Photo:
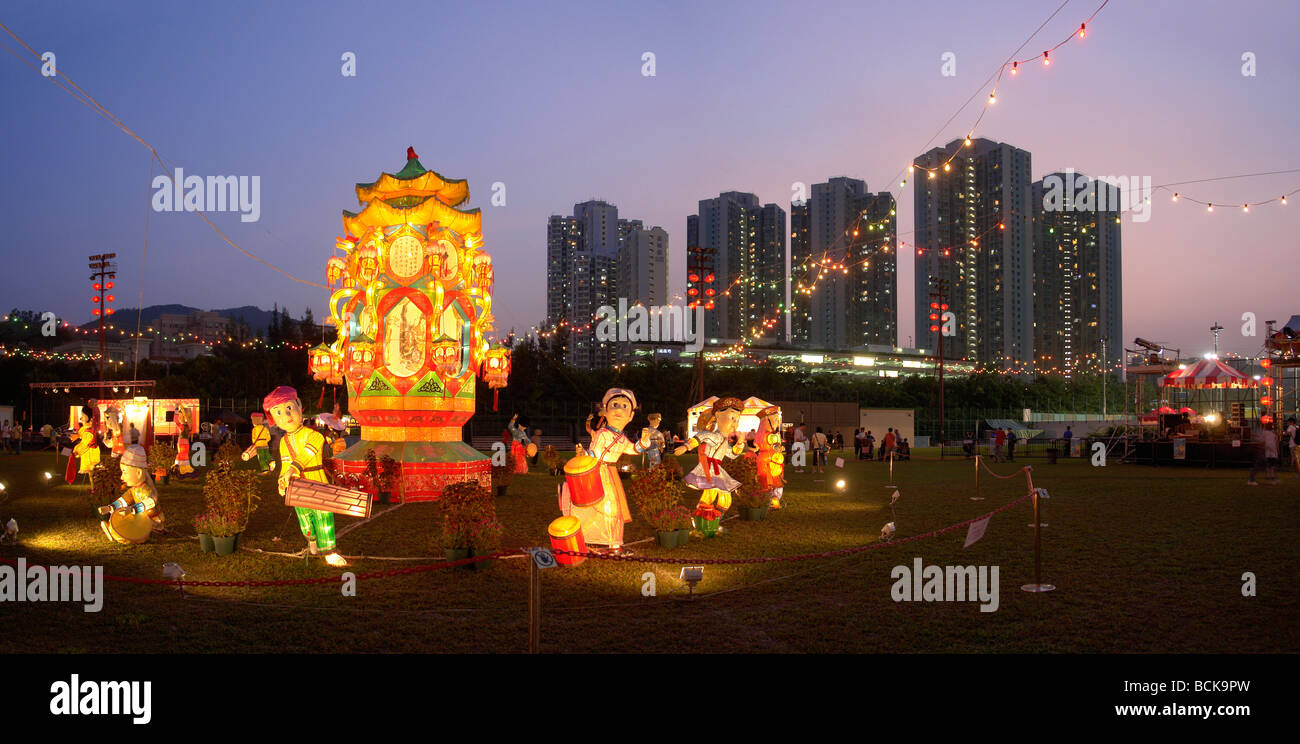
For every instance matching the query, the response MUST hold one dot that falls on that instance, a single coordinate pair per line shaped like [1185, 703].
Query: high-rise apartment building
[1077, 274]
[843, 263]
[973, 222]
[744, 246]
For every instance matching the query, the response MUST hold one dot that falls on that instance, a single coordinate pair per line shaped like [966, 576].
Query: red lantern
[496, 370]
[1266, 401]
[1266, 363]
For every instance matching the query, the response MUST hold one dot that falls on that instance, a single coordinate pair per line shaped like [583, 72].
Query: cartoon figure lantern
[413, 311]
[136, 515]
[592, 491]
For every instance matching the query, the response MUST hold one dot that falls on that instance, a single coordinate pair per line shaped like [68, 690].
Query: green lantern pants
[317, 525]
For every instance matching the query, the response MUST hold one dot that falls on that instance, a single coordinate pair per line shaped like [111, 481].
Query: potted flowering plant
[229, 497]
[390, 478]
[500, 479]
[707, 519]
[551, 457]
[657, 496]
[752, 500]
[161, 457]
[469, 521]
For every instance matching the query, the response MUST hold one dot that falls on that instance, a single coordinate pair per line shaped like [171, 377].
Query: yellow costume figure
[261, 446]
[602, 522]
[133, 517]
[302, 456]
[714, 443]
[87, 449]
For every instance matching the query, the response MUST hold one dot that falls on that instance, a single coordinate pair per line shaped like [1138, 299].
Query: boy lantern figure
[132, 518]
[301, 456]
[261, 446]
[602, 522]
[714, 441]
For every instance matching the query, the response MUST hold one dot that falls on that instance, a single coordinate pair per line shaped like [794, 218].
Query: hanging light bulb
[946, 167]
[1083, 30]
[1175, 196]
[1209, 207]
[931, 175]
[1245, 207]
[1284, 200]
[993, 98]
[1014, 67]
[1046, 60]
[968, 142]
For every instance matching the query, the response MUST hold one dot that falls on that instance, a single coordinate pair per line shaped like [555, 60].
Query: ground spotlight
[692, 575]
[840, 484]
[48, 475]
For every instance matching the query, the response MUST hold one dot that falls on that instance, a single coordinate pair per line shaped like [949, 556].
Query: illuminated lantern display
[413, 309]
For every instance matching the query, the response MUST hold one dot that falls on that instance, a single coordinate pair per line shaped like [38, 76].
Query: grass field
[1144, 560]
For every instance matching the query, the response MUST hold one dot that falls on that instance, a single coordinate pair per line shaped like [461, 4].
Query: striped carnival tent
[1208, 374]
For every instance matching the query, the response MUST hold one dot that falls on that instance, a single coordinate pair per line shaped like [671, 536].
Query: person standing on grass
[1067, 437]
[1268, 456]
[857, 443]
[868, 445]
[819, 446]
[999, 441]
[1011, 445]
[887, 446]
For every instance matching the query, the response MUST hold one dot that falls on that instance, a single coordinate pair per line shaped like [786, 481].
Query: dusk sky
[549, 99]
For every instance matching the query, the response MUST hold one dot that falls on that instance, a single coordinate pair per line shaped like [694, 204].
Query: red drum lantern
[566, 534]
[582, 473]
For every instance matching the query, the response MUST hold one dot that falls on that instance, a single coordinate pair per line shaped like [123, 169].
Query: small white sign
[543, 557]
[839, 462]
[976, 531]
[1236, 443]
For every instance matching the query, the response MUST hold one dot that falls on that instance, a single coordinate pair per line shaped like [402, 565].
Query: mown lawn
[1145, 560]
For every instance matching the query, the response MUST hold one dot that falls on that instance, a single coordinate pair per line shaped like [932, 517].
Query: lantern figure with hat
[413, 313]
[592, 491]
[136, 515]
[771, 453]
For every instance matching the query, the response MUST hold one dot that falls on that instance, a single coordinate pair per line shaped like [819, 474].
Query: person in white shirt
[819, 448]
[1268, 456]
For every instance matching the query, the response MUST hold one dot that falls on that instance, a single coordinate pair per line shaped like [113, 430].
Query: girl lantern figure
[301, 456]
[714, 442]
[132, 518]
[86, 451]
[603, 512]
[113, 438]
[183, 468]
[771, 455]
[521, 447]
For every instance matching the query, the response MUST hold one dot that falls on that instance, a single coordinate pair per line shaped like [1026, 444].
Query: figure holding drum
[301, 456]
[592, 491]
[133, 517]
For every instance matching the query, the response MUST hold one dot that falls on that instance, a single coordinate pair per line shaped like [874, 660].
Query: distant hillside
[258, 320]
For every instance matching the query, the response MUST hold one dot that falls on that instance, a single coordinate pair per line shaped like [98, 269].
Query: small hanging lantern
[496, 370]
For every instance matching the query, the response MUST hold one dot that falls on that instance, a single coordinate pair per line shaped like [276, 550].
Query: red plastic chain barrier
[1024, 470]
[792, 558]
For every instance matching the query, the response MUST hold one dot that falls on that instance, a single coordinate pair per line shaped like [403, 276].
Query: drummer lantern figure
[301, 456]
[133, 517]
[521, 446]
[593, 492]
[714, 443]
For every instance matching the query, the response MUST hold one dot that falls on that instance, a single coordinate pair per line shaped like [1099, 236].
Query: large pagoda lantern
[413, 306]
